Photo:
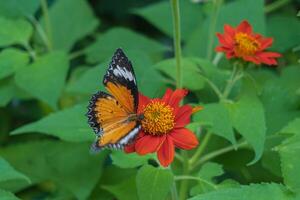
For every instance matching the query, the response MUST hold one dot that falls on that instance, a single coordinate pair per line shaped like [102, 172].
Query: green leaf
[11, 60]
[59, 162]
[8, 173]
[7, 195]
[70, 20]
[14, 31]
[69, 125]
[292, 128]
[160, 15]
[283, 40]
[190, 72]
[206, 174]
[149, 80]
[248, 119]
[7, 91]
[18, 8]
[153, 183]
[89, 81]
[251, 10]
[211, 115]
[125, 190]
[109, 41]
[289, 153]
[79, 175]
[251, 192]
[132, 160]
[283, 106]
[45, 78]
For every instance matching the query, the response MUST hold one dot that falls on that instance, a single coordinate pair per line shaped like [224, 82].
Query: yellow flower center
[245, 45]
[158, 118]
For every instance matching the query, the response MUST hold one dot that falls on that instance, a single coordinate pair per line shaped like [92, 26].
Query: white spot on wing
[130, 136]
[122, 72]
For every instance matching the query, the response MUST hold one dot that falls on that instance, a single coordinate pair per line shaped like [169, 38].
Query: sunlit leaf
[45, 78]
[251, 192]
[191, 77]
[216, 126]
[5, 195]
[18, 8]
[14, 31]
[284, 40]
[132, 160]
[70, 20]
[8, 173]
[160, 15]
[114, 38]
[69, 125]
[153, 183]
[125, 190]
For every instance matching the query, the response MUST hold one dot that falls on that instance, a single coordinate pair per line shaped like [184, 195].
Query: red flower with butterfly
[125, 118]
[163, 127]
[242, 42]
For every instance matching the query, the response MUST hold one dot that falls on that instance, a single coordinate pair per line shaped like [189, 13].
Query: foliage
[54, 54]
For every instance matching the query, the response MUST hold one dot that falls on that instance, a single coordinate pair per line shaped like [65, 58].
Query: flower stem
[275, 5]
[184, 184]
[177, 40]
[213, 86]
[174, 194]
[200, 149]
[47, 22]
[219, 152]
[29, 49]
[236, 75]
[197, 179]
[212, 28]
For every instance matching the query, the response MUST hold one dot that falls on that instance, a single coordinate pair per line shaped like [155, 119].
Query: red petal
[130, 148]
[269, 54]
[166, 152]
[265, 43]
[225, 40]
[229, 30]
[244, 27]
[182, 117]
[143, 101]
[252, 59]
[148, 144]
[175, 97]
[167, 95]
[184, 138]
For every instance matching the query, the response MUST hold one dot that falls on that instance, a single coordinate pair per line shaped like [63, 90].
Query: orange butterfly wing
[114, 116]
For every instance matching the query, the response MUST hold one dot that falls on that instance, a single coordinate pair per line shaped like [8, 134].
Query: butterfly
[113, 115]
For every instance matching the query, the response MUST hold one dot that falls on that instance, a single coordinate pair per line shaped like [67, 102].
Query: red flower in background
[242, 42]
[163, 126]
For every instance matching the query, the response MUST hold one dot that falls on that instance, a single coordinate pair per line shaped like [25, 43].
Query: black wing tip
[119, 55]
[92, 120]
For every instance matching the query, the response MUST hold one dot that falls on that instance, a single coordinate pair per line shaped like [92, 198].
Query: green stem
[219, 152]
[174, 194]
[236, 75]
[217, 58]
[213, 87]
[177, 40]
[200, 149]
[40, 31]
[196, 179]
[30, 50]
[184, 184]
[76, 54]
[212, 28]
[275, 5]
[47, 22]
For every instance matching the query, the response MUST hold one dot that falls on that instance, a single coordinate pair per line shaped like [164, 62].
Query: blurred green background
[54, 54]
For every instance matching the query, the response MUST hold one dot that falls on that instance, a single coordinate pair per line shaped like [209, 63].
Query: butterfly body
[113, 115]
